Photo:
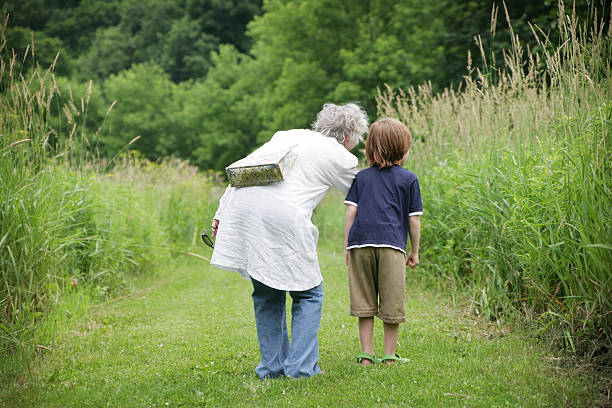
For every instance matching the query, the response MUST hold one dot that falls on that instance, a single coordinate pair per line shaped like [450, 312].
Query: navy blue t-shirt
[384, 199]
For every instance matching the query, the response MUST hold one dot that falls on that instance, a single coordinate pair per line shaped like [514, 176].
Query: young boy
[383, 208]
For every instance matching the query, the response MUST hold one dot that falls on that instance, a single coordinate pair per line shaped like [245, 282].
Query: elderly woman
[265, 233]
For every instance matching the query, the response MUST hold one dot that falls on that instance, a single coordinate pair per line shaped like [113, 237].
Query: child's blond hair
[388, 142]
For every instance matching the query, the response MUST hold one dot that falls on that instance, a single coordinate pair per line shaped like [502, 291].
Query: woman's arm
[351, 213]
[222, 202]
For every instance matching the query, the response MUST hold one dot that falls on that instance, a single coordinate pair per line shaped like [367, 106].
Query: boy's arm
[414, 223]
[351, 213]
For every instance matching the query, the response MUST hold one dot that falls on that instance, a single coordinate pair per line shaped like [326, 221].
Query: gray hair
[342, 121]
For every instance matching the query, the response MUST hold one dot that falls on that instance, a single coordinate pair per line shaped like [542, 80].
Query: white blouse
[265, 232]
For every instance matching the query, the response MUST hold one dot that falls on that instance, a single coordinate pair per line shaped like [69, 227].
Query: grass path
[188, 339]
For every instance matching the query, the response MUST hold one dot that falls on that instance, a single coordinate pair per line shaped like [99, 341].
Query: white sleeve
[223, 201]
[344, 171]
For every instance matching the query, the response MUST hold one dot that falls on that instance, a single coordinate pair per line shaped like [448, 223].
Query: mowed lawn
[187, 338]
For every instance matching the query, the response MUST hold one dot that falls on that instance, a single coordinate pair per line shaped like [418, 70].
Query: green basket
[260, 169]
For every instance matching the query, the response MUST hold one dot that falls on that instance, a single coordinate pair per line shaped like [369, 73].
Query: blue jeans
[298, 358]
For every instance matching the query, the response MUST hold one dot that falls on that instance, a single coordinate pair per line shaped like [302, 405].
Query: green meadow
[186, 337]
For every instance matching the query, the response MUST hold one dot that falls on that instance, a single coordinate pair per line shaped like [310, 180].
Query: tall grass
[69, 222]
[516, 173]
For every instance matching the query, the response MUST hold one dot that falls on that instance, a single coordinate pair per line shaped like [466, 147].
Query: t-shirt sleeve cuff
[347, 202]
[413, 213]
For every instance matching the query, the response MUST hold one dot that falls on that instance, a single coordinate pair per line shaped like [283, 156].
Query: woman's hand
[214, 227]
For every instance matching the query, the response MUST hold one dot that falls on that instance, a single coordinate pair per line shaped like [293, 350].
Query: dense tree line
[209, 80]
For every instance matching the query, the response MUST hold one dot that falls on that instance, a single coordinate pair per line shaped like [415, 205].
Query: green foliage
[226, 20]
[186, 51]
[170, 34]
[64, 227]
[390, 49]
[46, 50]
[466, 21]
[132, 50]
[109, 54]
[75, 106]
[136, 39]
[516, 180]
[64, 26]
[145, 109]
[228, 95]
[294, 57]
[76, 22]
[305, 54]
[530, 230]
[100, 38]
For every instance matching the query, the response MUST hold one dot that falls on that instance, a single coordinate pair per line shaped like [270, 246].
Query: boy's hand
[415, 237]
[412, 260]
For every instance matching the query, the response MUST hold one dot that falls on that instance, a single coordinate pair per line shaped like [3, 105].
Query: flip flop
[365, 356]
[395, 357]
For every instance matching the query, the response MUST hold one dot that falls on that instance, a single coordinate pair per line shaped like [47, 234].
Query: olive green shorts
[377, 283]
